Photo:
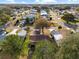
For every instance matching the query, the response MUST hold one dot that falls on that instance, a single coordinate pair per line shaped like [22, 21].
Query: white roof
[22, 33]
[31, 16]
[58, 37]
[43, 12]
[33, 10]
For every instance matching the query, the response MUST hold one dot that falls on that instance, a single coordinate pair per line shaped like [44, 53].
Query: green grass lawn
[73, 23]
[25, 46]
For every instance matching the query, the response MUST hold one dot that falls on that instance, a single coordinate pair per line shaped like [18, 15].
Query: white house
[22, 33]
[43, 13]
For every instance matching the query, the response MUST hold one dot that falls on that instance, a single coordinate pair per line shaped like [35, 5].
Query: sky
[39, 1]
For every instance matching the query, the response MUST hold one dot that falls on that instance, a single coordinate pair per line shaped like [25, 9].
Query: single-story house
[30, 16]
[33, 11]
[23, 23]
[22, 33]
[44, 14]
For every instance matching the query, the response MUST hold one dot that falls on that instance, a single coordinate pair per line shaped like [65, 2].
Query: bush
[59, 27]
[69, 48]
[45, 50]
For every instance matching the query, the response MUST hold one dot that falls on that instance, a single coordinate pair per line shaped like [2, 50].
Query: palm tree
[41, 24]
[68, 17]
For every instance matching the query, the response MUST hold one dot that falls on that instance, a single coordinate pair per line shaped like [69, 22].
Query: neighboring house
[44, 14]
[15, 12]
[22, 33]
[24, 17]
[23, 23]
[77, 16]
[7, 24]
[30, 16]
[33, 11]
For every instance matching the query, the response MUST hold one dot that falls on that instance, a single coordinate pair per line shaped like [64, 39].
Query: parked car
[57, 36]
[2, 34]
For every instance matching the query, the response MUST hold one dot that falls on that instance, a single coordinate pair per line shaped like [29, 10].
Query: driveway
[13, 32]
[36, 38]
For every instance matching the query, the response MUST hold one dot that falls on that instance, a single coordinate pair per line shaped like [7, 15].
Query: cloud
[45, 1]
[13, 2]
[48, 0]
[37, 0]
[10, 1]
[23, 2]
[73, 0]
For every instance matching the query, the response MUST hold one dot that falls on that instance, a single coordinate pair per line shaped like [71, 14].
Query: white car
[56, 35]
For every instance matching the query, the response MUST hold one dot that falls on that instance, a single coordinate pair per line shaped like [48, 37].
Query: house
[44, 14]
[30, 16]
[33, 11]
[23, 23]
[24, 17]
[22, 33]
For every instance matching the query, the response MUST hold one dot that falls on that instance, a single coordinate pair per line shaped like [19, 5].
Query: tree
[14, 46]
[42, 23]
[69, 48]
[6, 10]
[27, 20]
[68, 17]
[4, 18]
[59, 27]
[45, 50]
[5, 14]
[77, 9]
